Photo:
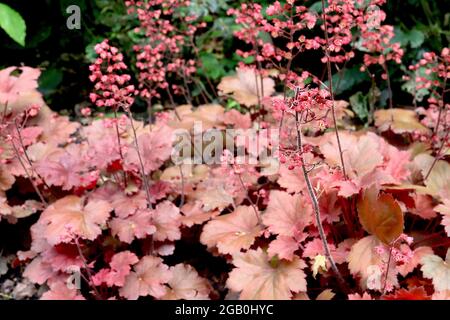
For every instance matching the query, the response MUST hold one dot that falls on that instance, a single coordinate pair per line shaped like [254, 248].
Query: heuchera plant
[355, 213]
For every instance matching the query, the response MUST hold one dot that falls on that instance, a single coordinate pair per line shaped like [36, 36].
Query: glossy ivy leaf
[13, 24]
[347, 78]
[316, 7]
[380, 215]
[50, 80]
[360, 105]
[204, 7]
[414, 38]
[211, 66]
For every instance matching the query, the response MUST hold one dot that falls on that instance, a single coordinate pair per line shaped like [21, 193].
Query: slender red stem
[315, 203]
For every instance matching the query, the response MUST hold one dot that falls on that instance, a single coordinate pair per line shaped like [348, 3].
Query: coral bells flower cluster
[400, 251]
[340, 19]
[284, 22]
[345, 21]
[376, 39]
[347, 24]
[378, 43]
[392, 260]
[250, 17]
[110, 80]
[12, 128]
[167, 33]
[306, 106]
[306, 100]
[311, 100]
[435, 75]
[311, 105]
[431, 75]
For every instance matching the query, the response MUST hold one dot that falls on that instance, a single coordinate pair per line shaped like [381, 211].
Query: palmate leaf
[13, 24]
[399, 121]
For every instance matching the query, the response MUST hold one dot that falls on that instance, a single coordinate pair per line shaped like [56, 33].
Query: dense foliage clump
[260, 182]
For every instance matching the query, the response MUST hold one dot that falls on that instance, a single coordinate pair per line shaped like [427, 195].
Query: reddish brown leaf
[380, 215]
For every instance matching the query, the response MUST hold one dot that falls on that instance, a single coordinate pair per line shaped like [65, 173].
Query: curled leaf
[399, 121]
[380, 215]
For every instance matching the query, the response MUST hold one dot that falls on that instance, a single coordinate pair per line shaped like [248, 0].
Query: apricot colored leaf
[237, 119]
[320, 262]
[13, 86]
[357, 296]
[438, 270]
[186, 284]
[326, 294]
[361, 153]
[155, 147]
[287, 214]
[6, 179]
[284, 247]
[245, 87]
[60, 290]
[232, 232]
[423, 206]
[138, 225]
[214, 193]
[438, 182]
[399, 121]
[120, 268]
[411, 264]
[147, 278]
[194, 214]
[167, 220]
[362, 256]
[258, 277]
[38, 271]
[70, 217]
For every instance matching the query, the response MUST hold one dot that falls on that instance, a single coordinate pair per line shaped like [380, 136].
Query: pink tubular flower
[430, 77]
[378, 43]
[107, 72]
[167, 34]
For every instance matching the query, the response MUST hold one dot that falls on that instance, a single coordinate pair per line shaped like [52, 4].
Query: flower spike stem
[141, 163]
[330, 83]
[315, 203]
